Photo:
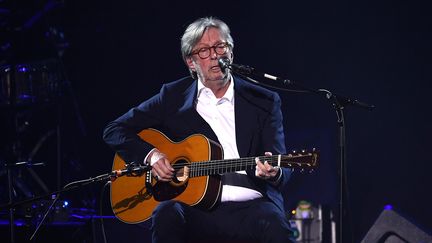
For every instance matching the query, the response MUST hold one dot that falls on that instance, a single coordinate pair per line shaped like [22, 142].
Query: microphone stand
[338, 102]
[9, 171]
[130, 170]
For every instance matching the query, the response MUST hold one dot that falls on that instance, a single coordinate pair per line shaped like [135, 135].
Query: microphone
[225, 63]
[131, 170]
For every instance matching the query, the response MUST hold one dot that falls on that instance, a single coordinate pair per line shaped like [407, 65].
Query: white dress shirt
[219, 114]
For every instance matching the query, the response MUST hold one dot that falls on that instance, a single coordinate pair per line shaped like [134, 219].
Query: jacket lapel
[195, 121]
[244, 119]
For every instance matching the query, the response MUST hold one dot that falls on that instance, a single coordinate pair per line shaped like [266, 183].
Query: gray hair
[194, 32]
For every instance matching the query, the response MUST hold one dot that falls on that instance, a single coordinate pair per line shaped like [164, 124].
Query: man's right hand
[161, 167]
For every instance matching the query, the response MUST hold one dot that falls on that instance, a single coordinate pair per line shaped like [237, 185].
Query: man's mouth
[215, 68]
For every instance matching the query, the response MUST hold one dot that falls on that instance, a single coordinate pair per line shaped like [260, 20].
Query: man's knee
[168, 222]
[168, 211]
[274, 227]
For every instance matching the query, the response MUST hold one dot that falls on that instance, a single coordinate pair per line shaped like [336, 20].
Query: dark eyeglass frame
[205, 52]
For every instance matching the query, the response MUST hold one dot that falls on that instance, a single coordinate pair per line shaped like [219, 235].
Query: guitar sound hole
[169, 190]
[181, 171]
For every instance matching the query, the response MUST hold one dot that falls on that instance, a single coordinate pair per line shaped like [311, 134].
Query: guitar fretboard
[214, 167]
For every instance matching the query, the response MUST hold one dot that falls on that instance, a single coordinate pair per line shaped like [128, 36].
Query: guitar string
[230, 165]
[250, 160]
[220, 163]
[236, 162]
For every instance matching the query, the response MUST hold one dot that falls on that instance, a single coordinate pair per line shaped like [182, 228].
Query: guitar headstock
[303, 160]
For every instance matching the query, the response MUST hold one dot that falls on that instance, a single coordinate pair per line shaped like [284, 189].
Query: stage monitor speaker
[390, 227]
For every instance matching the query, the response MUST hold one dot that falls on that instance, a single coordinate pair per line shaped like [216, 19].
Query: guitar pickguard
[165, 191]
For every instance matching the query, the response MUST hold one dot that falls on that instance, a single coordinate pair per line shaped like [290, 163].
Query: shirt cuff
[147, 159]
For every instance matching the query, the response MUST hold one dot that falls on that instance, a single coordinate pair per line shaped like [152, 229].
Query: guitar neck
[214, 167]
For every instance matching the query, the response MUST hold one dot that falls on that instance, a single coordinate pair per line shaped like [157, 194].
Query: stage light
[388, 207]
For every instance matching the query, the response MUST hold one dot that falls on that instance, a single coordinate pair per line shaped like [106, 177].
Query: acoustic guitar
[198, 164]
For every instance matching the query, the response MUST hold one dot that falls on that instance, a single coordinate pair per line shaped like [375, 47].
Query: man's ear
[190, 63]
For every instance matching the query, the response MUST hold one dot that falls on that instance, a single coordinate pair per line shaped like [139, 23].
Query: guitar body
[198, 164]
[133, 202]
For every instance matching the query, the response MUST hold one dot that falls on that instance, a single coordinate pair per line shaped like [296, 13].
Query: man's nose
[213, 53]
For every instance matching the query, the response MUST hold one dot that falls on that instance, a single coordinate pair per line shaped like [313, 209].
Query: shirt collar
[229, 94]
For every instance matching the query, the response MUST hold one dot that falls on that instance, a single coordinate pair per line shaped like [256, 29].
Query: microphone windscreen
[224, 62]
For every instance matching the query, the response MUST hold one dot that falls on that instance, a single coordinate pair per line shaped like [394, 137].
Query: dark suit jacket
[258, 125]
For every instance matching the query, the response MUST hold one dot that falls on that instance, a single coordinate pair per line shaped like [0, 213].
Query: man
[244, 118]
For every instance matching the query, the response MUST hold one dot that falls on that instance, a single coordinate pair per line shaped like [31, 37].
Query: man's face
[208, 69]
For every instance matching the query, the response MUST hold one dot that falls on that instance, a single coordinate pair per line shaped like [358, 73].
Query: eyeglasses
[205, 52]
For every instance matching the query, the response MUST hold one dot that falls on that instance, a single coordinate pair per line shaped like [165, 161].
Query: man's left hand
[265, 170]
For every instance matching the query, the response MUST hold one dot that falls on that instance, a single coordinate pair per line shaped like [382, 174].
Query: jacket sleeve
[274, 138]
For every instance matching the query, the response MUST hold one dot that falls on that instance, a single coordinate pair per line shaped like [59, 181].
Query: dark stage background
[118, 53]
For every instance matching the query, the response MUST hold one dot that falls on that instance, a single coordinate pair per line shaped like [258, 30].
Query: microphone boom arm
[248, 71]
